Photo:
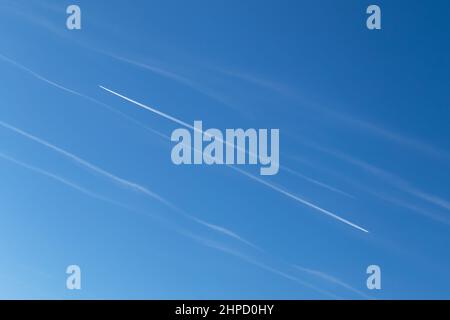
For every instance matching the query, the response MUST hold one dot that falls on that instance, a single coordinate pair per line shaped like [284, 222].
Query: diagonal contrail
[316, 182]
[227, 232]
[250, 260]
[389, 177]
[125, 183]
[367, 126]
[50, 175]
[86, 164]
[332, 279]
[160, 113]
[63, 181]
[168, 74]
[279, 190]
[169, 117]
[298, 199]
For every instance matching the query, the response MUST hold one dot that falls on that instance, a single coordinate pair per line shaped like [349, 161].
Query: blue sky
[363, 118]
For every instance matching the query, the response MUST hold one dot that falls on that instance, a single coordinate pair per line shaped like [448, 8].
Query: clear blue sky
[363, 118]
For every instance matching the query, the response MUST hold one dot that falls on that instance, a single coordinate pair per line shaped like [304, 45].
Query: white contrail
[296, 198]
[391, 178]
[220, 247]
[162, 114]
[38, 76]
[332, 279]
[379, 195]
[63, 181]
[316, 182]
[169, 117]
[168, 74]
[123, 182]
[227, 232]
[86, 164]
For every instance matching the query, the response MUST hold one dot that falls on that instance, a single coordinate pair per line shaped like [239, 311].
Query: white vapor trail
[316, 182]
[380, 195]
[296, 198]
[220, 247]
[227, 232]
[63, 181]
[162, 114]
[332, 279]
[392, 179]
[86, 164]
[163, 72]
[38, 76]
[123, 182]
[168, 117]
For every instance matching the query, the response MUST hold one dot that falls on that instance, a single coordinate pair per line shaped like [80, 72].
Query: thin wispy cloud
[63, 181]
[122, 182]
[379, 194]
[398, 138]
[159, 71]
[220, 247]
[316, 182]
[86, 164]
[389, 177]
[258, 81]
[171, 75]
[227, 232]
[364, 125]
[408, 205]
[273, 187]
[29, 13]
[332, 279]
[38, 76]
